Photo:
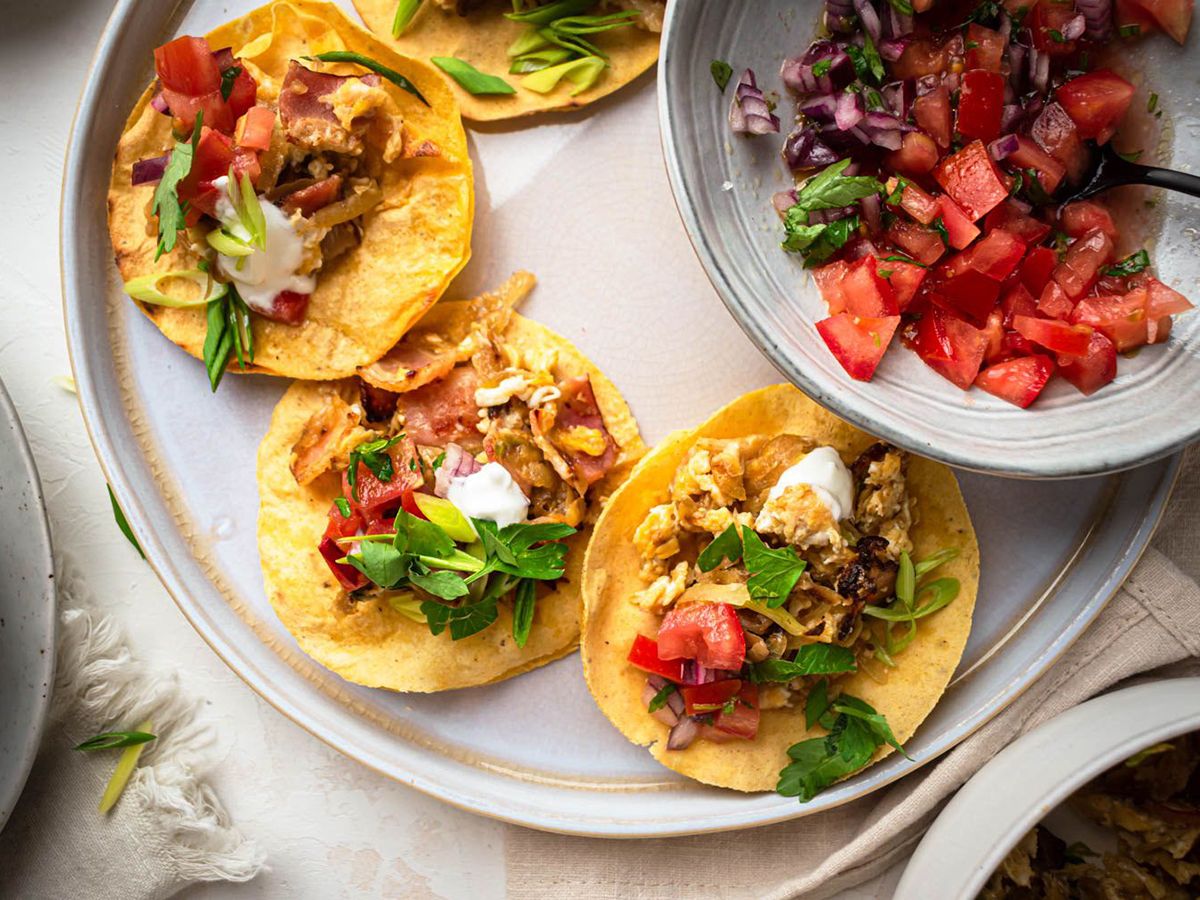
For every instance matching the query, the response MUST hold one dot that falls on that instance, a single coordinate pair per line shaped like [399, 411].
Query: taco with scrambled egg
[512, 58]
[290, 195]
[422, 525]
[776, 599]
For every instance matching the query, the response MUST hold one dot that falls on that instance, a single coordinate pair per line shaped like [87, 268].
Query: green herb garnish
[229, 333]
[123, 524]
[1142, 755]
[721, 72]
[1127, 31]
[110, 740]
[1130, 265]
[660, 699]
[549, 12]
[373, 455]
[1152, 103]
[726, 545]
[375, 66]
[811, 659]
[228, 77]
[773, 573]
[524, 601]
[343, 506]
[822, 67]
[165, 204]
[939, 225]
[471, 79]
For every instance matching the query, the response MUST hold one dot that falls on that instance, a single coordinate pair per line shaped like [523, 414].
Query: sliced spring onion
[779, 616]
[528, 42]
[544, 15]
[249, 211]
[470, 79]
[458, 561]
[446, 516]
[580, 72]
[226, 244]
[407, 604]
[579, 46]
[375, 66]
[120, 777]
[537, 60]
[146, 288]
[405, 10]
[595, 24]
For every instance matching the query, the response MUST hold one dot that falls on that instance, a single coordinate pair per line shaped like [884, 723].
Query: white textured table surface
[330, 827]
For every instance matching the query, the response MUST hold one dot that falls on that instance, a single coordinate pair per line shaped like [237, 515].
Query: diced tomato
[701, 699]
[214, 156]
[742, 720]
[972, 180]
[1046, 22]
[1158, 330]
[373, 496]
[934, 116]
[1029, 155]
[1010, 218]
[1082, 216]
[918, 154]
[644, 655]
[309, 199]
[340, 526]
[243, 94]
[1017, 301]
[923, 207]
[709, 633]
[287, 307]
[986, 48]
[1131, 12]
[408, 502]
[829, 279]
[1057, 337]
[1054, 303]
[1081, 266]
[1164, 301]
[1094, 369]
[994, 329]
[255, 127]
[981, 104]
[1174, 16]
[1019, 381]
[1037, 267]
[905, 279]
[867, 294]
[996, 256]
[960, 230]
[922, 244]
[923, 55]
[186, 66]
[1055, 132]
[951, 347]
[1096, 102]
[1121, 319]
[970, 293]
[858, 343]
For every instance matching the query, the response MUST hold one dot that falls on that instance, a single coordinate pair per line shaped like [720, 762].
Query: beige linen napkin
[1153, 621]
[168, 829]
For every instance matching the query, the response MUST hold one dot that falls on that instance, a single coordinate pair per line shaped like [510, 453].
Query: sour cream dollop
[491, 494]
[267, 271]
[824, 472]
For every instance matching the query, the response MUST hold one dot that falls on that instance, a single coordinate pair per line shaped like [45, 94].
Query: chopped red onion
[1016, 66]
[749, 112]
[798, 75]
[1003, 147]
[1020, 204]
[683, 733]
[825, 216]
[899, 24]
[804, 150]
[147, 171]
[783, 201]
[1074, 29]
[869, 18]
[927, 83]
[1099, 17]
[1010, 116]
[849, 111]
[457, 464]
[1005, 28]
[1039, 70]
[891, 50]
[694, 673]
[822, 107]
[665, 713]
[871, 210]
[899, 96]
[839, 15]
[159, 103]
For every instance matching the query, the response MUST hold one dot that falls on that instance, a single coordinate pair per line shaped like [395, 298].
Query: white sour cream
[489, 494]
[824, 472]
[269, 270]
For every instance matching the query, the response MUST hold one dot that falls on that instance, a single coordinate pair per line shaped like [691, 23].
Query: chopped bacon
[307, 117]
[327, 435]
[309, 199]
[444, 410]
[560, 429]
[377, 403]
[413, 363]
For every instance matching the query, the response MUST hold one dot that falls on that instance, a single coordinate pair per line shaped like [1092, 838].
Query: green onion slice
[538, 60]
[227, 244]
[146, 288]
[583, 73]
[405, 10]
[528, 42]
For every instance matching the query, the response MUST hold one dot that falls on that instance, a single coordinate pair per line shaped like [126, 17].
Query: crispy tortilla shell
[413, 242]
[483, 37]
[611, 576]
[368, 642]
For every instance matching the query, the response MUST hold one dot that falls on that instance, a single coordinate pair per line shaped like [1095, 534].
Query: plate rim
[1025, 464]
[176, 582]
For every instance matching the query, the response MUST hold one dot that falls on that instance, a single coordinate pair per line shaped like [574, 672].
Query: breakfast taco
[776, 599]
[513, 58]
[422, 526]
[290, 196]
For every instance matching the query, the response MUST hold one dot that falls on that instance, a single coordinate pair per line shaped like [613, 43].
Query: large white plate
[723, 184]
[27, 615]
[583, 201]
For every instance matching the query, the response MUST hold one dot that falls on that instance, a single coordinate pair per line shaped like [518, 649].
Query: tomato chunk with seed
[1055, 132]
[1029, 155]
[867, 294]
[905, 278]
[1164, 301]
[1096, 102]
[981, 104]
[373, 495]
[1082, 216]
[742, 718]
[951, 347]
[922, 244]
[1017, 301]
[1081, 266]
[985, 48]
[1054, 303]
[923, 207]
[960, 230]
[1055, 336]
[1121, 319]
[1019, 381]
[996, 256]
[972, 180]
[1009, 217]
[644, 655]
[1095, 368]
[255, 127]
[934, 116]
[1173, 16]
[709, 633]
[186, 65]
[858, 343]
[918, 154]
[829, 280]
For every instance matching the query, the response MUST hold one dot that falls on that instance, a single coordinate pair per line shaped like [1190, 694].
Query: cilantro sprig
[773, 572]
[165, 204]
[811, 659]
[829, 189]
[1130, 265]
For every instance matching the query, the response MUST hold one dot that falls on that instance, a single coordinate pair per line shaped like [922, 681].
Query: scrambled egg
[708, 482]
[663, 591]
[657, 539]
[802, 519]
[354, 99]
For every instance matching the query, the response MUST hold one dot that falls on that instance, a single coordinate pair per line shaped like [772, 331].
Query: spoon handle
[1170, 179]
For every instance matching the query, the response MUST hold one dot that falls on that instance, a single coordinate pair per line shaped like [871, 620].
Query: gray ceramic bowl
[27, 613]
[723, 185]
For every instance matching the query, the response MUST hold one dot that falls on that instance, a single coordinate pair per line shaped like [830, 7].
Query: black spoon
[1113, 170]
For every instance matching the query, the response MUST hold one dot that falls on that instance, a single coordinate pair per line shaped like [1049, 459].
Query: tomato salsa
[931, 141]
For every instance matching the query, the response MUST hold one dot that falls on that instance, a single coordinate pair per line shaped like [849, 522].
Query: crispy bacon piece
[572, 435]
[377, 403]
[444, 411]
[327, 435]
[308, 119]
[309, 199]
[413, 363]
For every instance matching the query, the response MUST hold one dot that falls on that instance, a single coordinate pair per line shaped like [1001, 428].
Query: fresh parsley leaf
[816, 704]
[228, 77]
[811, 659]
[511, 549]
[864, 712]
[1130, 265]
[818, 763]
[343, 506]
[725, 546]
[773, 573]
[438, 461]
[816, 243]
[420, 537]
[904, 259]
[123, 524]
[380, 562]
[721, 73]
[110, 740]
[1056, 35]
[375, 66]
[373, 455]
[659, 700]
[441, 583]
[902, 6]
[470, 79]
[524, 601]
[165, 204]
[830, 189]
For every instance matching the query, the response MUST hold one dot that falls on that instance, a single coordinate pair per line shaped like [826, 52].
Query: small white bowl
[1025, 781]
